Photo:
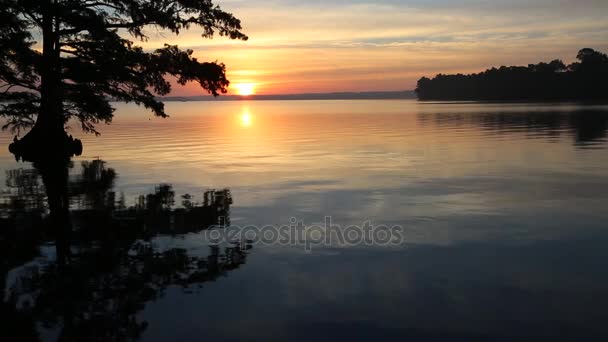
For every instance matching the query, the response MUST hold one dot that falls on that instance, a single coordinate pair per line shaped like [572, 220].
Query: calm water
[502, 211]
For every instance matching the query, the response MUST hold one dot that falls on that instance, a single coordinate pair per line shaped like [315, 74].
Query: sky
[361, 45]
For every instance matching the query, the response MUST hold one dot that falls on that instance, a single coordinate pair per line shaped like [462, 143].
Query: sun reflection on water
[246, 118]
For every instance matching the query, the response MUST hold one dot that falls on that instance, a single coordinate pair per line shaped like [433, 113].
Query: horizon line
[391, 94]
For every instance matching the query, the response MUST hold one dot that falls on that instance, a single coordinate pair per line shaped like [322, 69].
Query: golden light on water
[246, 118]
[245, 89]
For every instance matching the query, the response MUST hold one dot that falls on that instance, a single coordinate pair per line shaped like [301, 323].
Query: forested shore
[584, 80]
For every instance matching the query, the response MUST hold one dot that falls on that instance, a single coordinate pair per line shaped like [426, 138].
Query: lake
[319, 220]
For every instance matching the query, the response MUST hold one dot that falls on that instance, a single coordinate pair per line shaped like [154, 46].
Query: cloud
[338, 43]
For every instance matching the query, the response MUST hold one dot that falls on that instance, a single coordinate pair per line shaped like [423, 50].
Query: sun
[245, 89]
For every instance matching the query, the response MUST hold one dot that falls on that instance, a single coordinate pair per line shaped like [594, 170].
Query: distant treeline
[585, 80]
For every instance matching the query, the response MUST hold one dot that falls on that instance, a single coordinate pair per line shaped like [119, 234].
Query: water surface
[502, 208]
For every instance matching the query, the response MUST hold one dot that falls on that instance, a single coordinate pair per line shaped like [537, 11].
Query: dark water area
[322, 220]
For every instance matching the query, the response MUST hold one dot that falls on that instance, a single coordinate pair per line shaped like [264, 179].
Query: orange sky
[340, 45]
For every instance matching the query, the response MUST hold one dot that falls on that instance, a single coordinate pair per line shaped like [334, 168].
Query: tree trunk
[49, 119]
[48, 139]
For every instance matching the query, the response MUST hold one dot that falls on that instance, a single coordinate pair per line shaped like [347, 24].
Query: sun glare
[245, 89]
[246, 118]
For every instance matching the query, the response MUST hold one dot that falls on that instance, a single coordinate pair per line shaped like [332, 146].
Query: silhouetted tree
[65, 59]
[583, 80]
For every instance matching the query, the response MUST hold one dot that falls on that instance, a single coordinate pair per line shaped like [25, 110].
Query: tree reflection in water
[588, 128]
[78, 264]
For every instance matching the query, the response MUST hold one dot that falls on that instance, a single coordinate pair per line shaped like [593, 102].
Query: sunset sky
[363, 45]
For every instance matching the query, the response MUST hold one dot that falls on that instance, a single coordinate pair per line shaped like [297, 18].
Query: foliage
[583, 80]
[63, 59]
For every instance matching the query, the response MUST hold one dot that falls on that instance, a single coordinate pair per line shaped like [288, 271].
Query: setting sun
[245, 89]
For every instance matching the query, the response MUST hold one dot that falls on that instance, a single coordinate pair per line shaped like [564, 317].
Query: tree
[586, 80]
[65, 59]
